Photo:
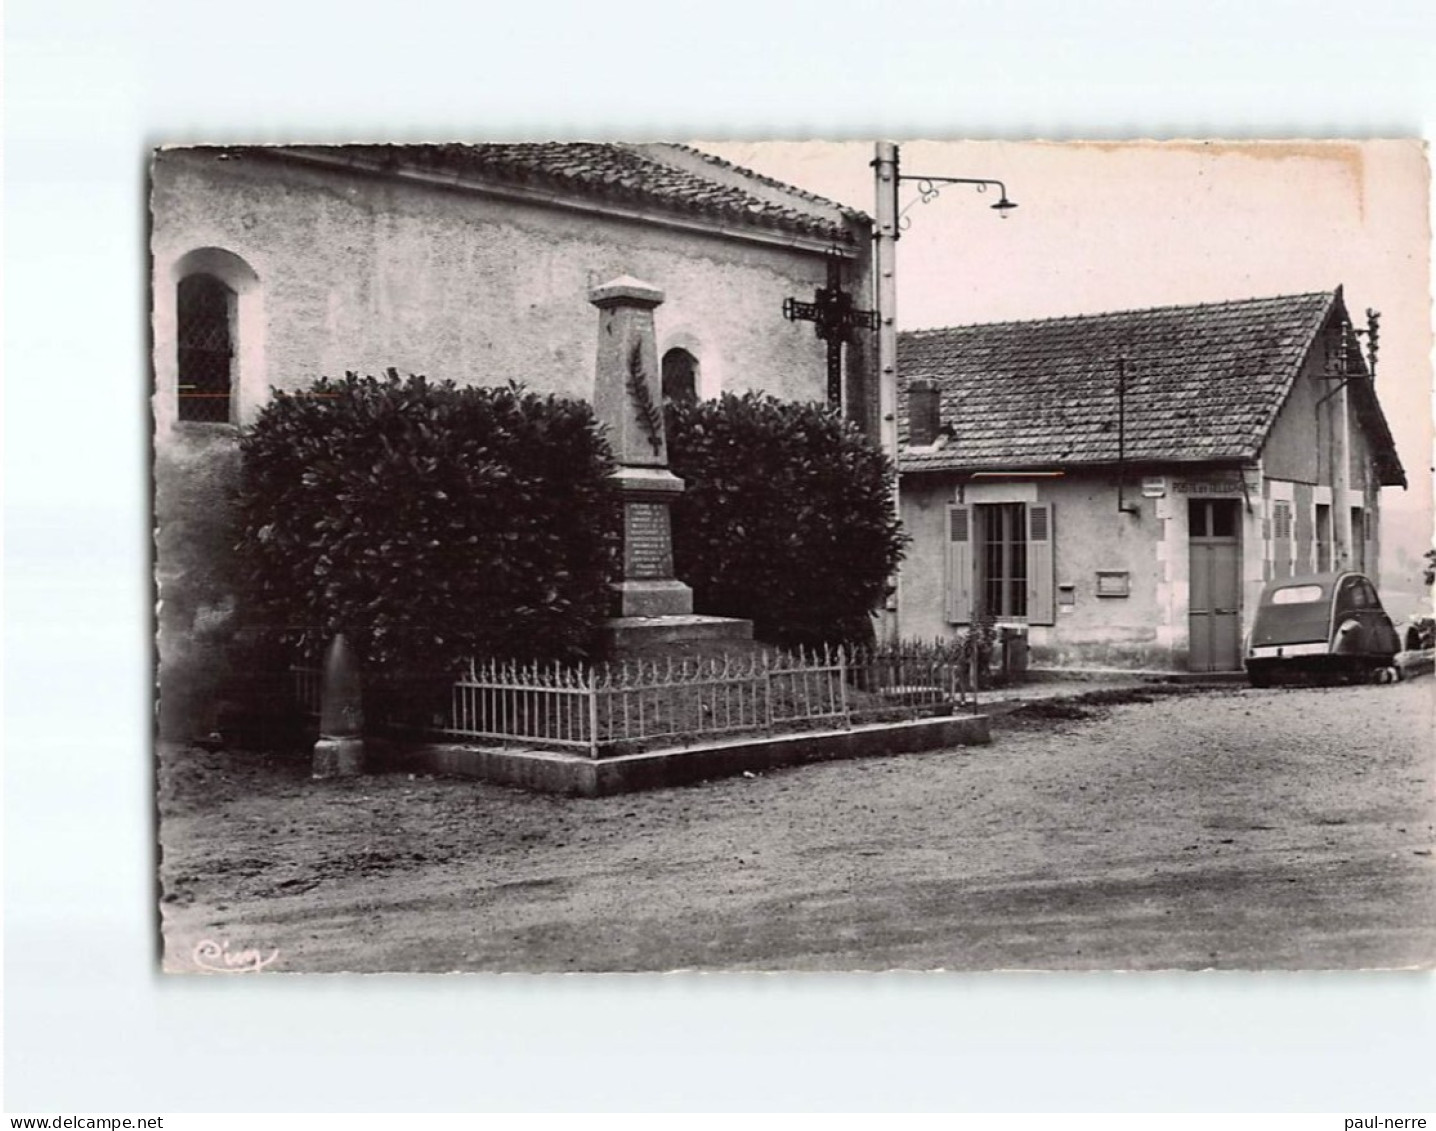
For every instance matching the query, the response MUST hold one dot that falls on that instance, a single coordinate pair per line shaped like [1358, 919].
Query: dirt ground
[1230, 829]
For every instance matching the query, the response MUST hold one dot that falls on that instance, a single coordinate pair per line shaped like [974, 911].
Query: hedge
[428, 522]
[786, 520]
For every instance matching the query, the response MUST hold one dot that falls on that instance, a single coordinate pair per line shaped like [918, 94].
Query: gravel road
[1232, 829]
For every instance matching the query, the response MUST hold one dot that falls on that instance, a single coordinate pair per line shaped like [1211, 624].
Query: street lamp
[891, 222]
[928, 191]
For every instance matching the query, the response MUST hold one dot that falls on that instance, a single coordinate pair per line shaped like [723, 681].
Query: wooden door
[1214, 609]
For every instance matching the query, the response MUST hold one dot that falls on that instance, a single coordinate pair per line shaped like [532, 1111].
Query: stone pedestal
[651, 609]
[648, 588]
[340, 749]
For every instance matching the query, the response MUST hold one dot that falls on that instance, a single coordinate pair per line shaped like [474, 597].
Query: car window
[1296, 595]
[1356, 593]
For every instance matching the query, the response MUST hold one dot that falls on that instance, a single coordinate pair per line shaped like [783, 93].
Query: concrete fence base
[551, 772]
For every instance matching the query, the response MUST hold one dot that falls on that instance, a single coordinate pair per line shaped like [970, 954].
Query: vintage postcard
[892, 555]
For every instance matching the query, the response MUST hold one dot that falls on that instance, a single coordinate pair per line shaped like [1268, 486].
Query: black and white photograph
[691, 558]
[869, 555]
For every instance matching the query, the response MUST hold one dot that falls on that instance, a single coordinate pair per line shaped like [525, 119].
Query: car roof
[1325, 580]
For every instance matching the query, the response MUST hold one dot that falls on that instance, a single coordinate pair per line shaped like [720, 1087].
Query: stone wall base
[623, 638]
[576, 775]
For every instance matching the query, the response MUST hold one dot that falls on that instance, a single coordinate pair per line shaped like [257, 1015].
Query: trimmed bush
[787, 518]
[429, 523]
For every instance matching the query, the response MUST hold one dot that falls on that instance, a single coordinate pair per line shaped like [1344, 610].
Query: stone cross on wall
[628, 402]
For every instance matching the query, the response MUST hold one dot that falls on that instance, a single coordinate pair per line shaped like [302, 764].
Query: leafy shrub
[427, 522]
[786, 520]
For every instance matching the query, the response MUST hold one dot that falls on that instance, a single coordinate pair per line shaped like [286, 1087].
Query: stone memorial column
[628, 401]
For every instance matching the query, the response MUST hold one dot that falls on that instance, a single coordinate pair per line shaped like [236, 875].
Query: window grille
[206, 348]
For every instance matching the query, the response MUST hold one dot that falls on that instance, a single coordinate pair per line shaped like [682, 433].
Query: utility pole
[890, 222]
[885, 162]
[885, 165]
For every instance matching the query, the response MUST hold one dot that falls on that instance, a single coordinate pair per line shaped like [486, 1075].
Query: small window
[205, 315]
[680, 377]
[1214, 518]
[1297, 595]
[1323, 537]
[924, 414]
[1358, 540]
[1224, 520]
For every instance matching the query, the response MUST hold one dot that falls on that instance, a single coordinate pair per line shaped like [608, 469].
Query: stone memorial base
[643, 599]
[338, 757]
[686, 636]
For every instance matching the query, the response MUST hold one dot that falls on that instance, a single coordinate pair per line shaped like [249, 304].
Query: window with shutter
[1001, 563]
[1281, 538]
[1041, 566]
[959, 565]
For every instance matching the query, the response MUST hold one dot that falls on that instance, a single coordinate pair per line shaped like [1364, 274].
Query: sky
[1125, 225]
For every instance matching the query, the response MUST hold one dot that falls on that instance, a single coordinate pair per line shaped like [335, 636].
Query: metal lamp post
[891, 222]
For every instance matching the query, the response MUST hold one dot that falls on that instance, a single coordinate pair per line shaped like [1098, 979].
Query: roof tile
[628, 174]
[1202, 382]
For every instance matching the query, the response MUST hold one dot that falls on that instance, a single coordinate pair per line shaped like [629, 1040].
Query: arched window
[205, 315]
[680, 377]
[209, 336]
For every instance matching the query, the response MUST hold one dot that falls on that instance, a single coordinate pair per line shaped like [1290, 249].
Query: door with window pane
[1002, 569]
[1214, 605]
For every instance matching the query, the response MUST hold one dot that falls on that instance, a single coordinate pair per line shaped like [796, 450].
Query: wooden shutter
[959, 565]
[1041, 565]
[1281, 522]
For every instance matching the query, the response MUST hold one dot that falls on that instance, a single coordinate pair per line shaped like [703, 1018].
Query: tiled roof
[762, 179]
[631, 175]
[1203, 383]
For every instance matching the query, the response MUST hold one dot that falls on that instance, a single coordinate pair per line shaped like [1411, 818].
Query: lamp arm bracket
[928, 189]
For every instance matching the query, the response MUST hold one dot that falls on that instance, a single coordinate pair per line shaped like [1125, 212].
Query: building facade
[275, 265]
[1118, 488]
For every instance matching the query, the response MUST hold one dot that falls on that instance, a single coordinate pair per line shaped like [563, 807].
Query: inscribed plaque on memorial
[647, 544]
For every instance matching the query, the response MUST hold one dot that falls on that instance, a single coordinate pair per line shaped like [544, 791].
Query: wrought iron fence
[308, 688]
[913, 675]
[641, 702]
[546, 706]
[620, 707]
